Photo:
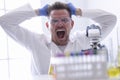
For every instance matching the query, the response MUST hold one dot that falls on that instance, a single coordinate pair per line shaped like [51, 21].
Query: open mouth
[60, 33]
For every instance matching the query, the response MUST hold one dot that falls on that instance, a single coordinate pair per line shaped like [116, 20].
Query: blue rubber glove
[72, 8]
[43, 10]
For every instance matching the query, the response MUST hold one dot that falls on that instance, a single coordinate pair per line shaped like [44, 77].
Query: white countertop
[42, 77]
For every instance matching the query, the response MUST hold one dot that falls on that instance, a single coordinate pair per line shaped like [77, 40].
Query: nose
[60, 23]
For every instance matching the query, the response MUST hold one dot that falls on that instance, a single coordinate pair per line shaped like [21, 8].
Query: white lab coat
[41, 46]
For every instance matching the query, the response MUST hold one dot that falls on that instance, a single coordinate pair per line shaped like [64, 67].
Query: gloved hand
[43, 10]
[72, 8]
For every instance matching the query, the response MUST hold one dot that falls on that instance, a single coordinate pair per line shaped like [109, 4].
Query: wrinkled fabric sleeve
[104, 19]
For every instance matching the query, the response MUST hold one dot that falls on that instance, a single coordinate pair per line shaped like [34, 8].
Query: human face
[60, 25]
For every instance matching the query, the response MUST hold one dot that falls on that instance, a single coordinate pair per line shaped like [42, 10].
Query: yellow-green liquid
[114, 72]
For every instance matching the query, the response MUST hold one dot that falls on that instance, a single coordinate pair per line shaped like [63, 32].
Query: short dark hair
[58, 6]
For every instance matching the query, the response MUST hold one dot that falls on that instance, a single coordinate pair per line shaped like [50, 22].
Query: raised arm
[10, 22]
[105, 19]
[34, 42]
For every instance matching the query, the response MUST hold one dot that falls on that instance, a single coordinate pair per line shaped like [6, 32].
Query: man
[60, 24]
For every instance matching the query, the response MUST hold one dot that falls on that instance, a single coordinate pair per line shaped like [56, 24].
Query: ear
[47, 25]
[72, 23]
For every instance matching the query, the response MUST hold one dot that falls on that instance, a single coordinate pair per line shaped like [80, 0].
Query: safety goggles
[64, 20]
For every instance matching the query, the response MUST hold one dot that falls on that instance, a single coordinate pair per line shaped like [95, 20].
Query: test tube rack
[85, 67]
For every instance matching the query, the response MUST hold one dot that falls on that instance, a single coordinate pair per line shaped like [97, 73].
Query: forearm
[11, 20]
[98, 15]
[105, 20]
[17, 16]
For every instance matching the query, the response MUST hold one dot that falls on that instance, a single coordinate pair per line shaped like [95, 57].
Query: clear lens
[63, 20]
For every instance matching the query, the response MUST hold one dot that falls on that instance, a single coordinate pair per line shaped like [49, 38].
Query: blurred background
[15, 59]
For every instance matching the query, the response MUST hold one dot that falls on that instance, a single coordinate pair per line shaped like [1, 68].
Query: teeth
[60, 30]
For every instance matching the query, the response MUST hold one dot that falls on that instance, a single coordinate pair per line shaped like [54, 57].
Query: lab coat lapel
[54, 49]
[69, 47]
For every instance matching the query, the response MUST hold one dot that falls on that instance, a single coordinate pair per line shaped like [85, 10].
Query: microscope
[93, 32]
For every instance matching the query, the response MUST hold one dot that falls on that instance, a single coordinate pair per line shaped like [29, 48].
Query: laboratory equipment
[93, 32]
